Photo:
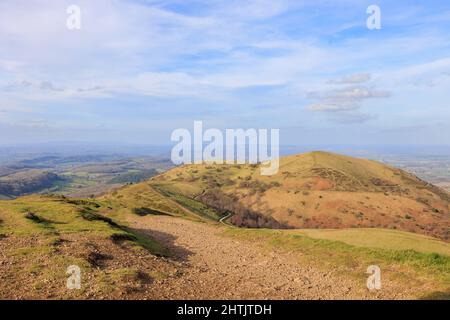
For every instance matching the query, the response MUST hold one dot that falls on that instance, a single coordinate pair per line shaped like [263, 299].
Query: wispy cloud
[166, 59]
[346, 100]
[352, 79]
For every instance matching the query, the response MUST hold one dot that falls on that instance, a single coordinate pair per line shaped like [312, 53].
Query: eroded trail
[212, 266]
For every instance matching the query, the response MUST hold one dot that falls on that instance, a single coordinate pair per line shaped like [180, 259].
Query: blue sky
[137, 70]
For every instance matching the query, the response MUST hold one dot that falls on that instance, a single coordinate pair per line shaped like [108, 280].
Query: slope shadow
[167, 240]
[437, 295]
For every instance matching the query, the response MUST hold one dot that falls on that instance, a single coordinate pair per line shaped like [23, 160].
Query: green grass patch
[57, 215]
[380, 238]
[133, 176]
[190, 204]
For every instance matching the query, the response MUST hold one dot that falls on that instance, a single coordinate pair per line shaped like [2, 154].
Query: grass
[420, 259]
[380, 238]
[40, 215]
[35, 218]
[412, 266]
[42, 235]
[133, 176]
[139, 196]
[313, 190]
[191, 204]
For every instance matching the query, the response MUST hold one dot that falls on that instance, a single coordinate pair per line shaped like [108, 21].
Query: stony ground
[212, 266]
[204, 264]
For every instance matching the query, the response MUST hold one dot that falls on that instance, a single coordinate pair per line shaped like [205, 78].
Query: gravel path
[212, 266]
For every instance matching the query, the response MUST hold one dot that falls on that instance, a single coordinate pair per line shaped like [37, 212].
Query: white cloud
[10, 65]
[342, 103]
[352, 79]
[333, 106]
[126, 48]
[349, 93]
[357, 93]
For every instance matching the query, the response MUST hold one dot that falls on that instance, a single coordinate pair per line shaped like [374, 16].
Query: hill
[315, 190]
[147, 242]
[75, 176]
[28, 181]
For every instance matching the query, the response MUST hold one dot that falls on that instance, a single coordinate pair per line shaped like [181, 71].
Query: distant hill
[76, 176]
[134, 176]
[316, 190]
[26, 182]
[5, 197]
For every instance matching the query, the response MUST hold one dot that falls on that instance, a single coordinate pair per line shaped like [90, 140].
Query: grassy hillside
[143, 197]
[40, 236]
[406, 258]
[323, 194]
[316, 190]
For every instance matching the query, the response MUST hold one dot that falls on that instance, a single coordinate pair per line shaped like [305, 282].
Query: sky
[137, 70]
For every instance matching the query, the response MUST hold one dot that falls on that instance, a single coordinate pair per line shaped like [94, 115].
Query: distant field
[380, 238]
[76, 176]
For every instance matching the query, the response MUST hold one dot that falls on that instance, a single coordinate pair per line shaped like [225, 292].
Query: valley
[76, 176]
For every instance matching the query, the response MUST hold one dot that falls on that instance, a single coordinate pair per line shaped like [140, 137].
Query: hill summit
[315, 190]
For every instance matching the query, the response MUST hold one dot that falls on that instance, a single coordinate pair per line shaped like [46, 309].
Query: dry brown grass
[317, 190]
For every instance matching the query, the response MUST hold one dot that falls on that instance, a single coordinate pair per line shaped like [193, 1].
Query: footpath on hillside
[213, 266]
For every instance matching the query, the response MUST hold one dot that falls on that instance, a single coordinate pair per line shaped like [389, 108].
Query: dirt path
[211, 266]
